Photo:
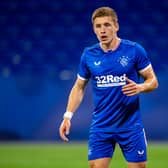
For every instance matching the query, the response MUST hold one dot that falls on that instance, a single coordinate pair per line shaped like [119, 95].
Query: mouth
[103, 38]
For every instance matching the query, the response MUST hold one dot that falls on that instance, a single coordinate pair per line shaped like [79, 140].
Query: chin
[105, 42]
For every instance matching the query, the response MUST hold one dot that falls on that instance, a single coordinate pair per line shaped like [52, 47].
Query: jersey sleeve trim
[144, 69]
[82, 78]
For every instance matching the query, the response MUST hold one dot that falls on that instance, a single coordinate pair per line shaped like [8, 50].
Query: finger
[128, 87]
[67, 131]
[63, 137]
[129, 80]
[129, 92]
[133, 94]
[62, 132]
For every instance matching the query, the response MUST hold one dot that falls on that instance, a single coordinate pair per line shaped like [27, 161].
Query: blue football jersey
[107, 71]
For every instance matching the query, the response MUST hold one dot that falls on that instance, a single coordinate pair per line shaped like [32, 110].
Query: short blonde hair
[104, 11]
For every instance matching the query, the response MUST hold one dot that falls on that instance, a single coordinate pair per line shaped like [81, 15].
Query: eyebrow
[106, 23]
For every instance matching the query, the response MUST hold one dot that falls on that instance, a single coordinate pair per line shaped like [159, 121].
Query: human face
[106, 30]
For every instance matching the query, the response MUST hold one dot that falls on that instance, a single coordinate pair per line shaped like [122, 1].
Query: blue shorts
[132, 143]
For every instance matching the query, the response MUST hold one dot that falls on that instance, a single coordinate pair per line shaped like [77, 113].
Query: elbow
[156, 84]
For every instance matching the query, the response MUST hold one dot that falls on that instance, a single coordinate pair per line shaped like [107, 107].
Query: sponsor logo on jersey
[110, 80]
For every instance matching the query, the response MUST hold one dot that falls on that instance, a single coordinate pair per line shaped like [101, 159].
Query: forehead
[103, 19]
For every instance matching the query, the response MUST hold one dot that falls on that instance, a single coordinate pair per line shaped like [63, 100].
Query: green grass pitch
[68, 155]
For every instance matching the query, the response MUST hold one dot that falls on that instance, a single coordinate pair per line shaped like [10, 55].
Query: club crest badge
[123, 60]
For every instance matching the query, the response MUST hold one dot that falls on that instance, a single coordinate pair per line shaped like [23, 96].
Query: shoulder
[90, 52]
[132, 44]
[93, 50]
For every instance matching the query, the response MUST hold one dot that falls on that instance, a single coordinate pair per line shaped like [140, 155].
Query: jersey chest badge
[123, 60]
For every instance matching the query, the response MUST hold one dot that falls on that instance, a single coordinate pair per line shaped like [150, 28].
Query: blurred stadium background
[40, 46]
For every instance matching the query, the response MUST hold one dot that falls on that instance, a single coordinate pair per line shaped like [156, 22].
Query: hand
[65, 129]
[131, 88]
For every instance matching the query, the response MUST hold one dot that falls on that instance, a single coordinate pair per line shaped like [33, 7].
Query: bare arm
[150, 83]
[75, 98]
[76, 95]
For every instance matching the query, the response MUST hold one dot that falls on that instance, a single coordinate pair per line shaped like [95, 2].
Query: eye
[98, 25]
[107, 24]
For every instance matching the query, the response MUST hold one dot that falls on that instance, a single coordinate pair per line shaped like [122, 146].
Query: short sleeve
[83, 71]
[142, 60]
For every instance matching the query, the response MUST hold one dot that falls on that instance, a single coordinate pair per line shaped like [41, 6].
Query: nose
[102, 30]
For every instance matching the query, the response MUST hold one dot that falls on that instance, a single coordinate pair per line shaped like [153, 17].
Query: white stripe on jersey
[142, 70]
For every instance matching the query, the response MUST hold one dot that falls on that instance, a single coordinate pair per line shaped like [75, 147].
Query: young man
[113, 66]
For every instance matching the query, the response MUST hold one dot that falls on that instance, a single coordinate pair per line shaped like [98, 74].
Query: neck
[112, 45]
